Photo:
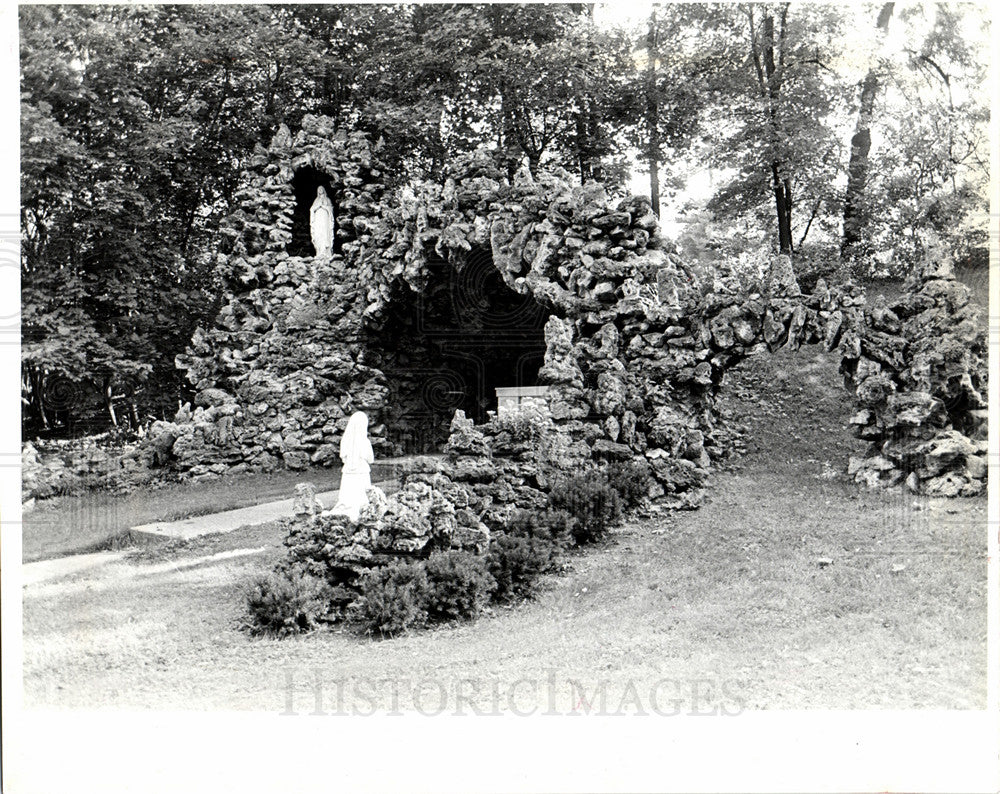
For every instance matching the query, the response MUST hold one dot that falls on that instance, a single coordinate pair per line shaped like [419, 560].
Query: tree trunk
[109, 401]
[37, 379]
[587, 132]
[783, 208]
[652, 117]
[594, 132]
[509, 148]
[861, 143]
[581, 148]
[780, 184]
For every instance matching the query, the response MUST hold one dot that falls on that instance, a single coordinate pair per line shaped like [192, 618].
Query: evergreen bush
[393, 599]
[631, 480]
[591, 500]
[288, 601]
[459, 585]
[552, 526]
[516, 562]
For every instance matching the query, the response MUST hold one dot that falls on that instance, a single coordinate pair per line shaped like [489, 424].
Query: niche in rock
[304, 184]
[452, 344]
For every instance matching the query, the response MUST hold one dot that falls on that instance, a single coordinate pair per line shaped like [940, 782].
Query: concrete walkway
[32, 573]
[229, 520]
[114, 570]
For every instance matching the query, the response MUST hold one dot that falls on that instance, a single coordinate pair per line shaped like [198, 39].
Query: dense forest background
[853, 138]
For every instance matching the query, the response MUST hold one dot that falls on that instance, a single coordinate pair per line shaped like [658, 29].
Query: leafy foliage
[929, 173]
[136, 122]
[779, 98]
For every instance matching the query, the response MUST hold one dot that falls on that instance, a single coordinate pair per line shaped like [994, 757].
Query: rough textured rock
[636, 345]
[50, 468]
[920, 373]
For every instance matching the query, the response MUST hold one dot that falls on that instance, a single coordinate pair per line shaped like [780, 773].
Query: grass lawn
[789, 588]
[100, 519]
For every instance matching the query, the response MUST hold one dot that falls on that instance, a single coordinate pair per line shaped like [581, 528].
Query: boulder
[603, 449]
[306, 502]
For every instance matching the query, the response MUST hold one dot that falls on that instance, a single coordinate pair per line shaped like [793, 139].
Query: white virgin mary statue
[355, 478]
[321, 224]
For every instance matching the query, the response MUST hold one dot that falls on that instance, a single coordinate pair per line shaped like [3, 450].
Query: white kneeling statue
[355, 479]
[321, 224]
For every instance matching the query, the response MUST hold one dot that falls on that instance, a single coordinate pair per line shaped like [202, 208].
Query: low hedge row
[455, 585]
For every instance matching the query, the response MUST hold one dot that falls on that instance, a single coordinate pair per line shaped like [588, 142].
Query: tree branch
[812, 217]
[754, 52]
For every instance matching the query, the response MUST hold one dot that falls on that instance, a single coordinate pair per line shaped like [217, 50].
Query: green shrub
[393, 599]
[286, 602]
[553, 526]
[815, 261]
[529, 423]
[516, 562]
[591, 500]
[631, 480]
[459, 585]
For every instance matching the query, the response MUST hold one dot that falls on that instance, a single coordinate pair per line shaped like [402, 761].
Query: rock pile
[509, 463]
[921, 371]
[637, 345]
[436, 509]
[49, 468]
[283, 367]
[443, 503]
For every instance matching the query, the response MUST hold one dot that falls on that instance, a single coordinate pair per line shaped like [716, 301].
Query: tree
[669, 91]
[777, 103]
[929, 173]
[861, 142]
[536, 83]
[135, 123]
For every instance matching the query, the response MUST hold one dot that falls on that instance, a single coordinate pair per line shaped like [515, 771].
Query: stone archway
[635, 345]
[451, 344]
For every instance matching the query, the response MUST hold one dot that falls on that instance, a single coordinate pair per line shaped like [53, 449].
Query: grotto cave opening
[450, 346]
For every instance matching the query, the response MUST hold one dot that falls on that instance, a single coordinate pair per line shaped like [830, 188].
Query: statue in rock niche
[321, 224]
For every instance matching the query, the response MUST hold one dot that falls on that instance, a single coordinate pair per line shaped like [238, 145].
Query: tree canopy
[858, 128]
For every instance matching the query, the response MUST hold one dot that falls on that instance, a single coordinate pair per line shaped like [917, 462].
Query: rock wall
[50, 468]
[286, 362]
[637, 345]
[921, 371]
